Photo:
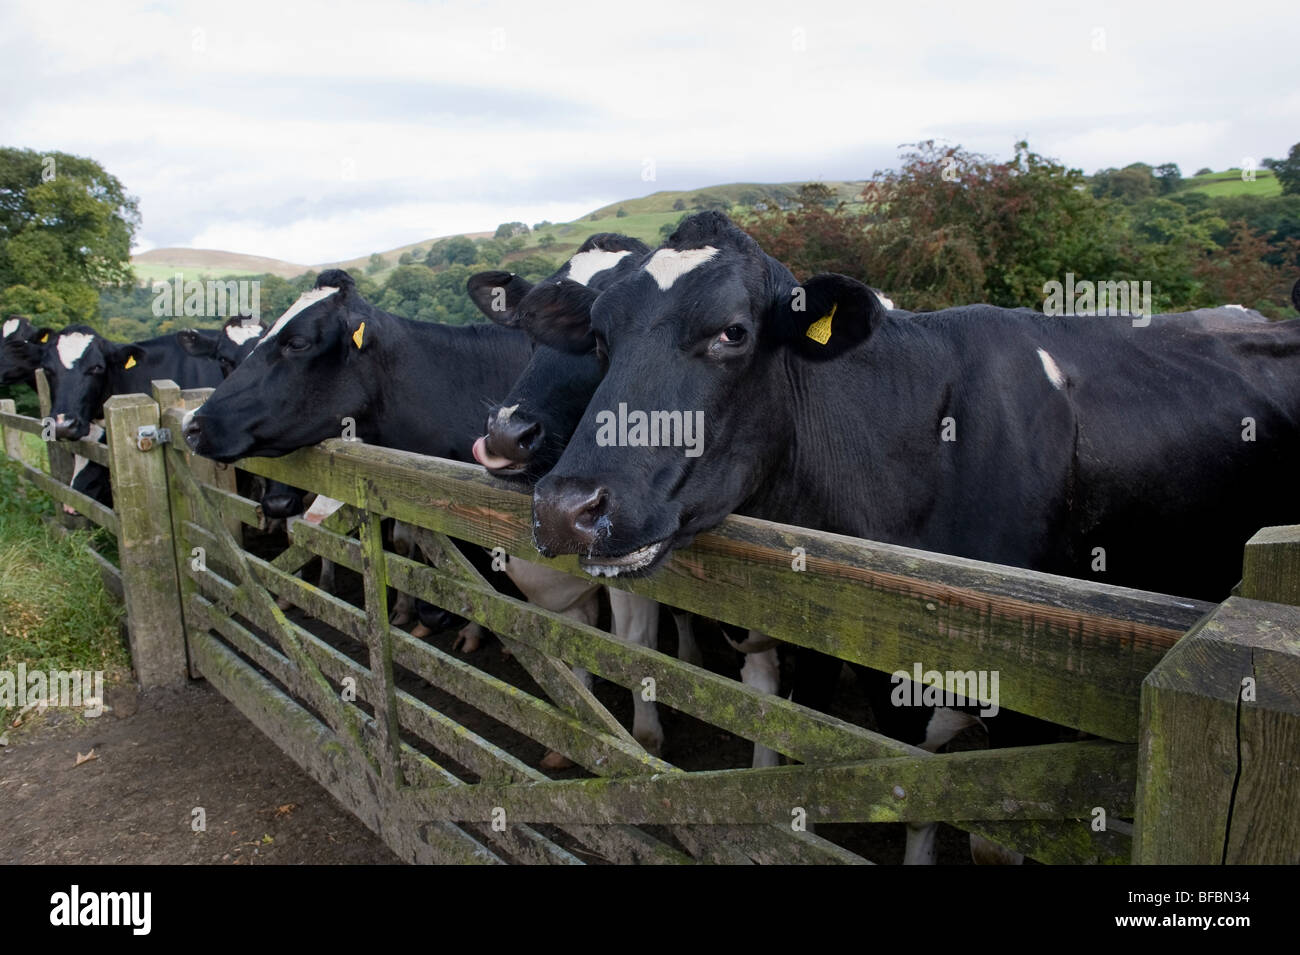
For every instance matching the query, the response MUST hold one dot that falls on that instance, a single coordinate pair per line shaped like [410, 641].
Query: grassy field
[1230, 183]
[54, 611]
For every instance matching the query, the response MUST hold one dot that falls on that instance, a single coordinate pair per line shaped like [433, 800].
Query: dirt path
[158, 757]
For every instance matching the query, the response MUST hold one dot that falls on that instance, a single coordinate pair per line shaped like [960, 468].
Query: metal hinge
[147, 435]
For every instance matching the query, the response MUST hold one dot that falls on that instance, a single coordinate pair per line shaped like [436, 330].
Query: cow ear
[122, 356]
[497, 294]
[829, 314]
[195, 344]
[559, 314]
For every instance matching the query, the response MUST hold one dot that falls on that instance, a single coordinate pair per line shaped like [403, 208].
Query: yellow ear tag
[130, 363]
[358, 334]
[820, 330]
[45, 338]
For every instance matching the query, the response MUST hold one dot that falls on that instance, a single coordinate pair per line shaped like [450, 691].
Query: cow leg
[636, 620]
[921, 848]
[762, 671]
[326, 582]
[403, 611]
[688, 651]
[943, 725]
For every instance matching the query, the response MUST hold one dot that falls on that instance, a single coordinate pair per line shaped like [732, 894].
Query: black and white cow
[530, 427]
[1167, 445]
[229, 347]
[21, 345]
[84, 370]
[528, 432]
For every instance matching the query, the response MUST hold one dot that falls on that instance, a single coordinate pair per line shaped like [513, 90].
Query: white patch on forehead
[11, 326]
[668, 265]
[1241, 308]
[239, 334]
[305, 300]
[586, 264]
[884, 299]
[503, 415]
[1053, 370]
[72, 346]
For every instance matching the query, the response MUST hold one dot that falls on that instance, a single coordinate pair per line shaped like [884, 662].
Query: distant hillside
[163, 263]
[643, 218]
[1230, 183]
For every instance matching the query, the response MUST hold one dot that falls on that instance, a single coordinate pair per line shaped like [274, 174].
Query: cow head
[704, 344]
[301, 379]
[21, 347]
[229, 347]
[527, 432]
[81, 367]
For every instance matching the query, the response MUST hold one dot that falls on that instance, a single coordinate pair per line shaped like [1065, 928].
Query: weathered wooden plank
[523, 841]
[467, 748]
[92, 450]
[322, 756]
[1061, 780]
[731, 705]
[490, 763]
[79, 502]
[379, 644]
[145, 546]
[1219, 766]
[108, 573]
[1070, 651]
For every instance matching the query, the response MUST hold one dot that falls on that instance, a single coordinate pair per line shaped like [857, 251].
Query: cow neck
[852, 423]
[437, 382]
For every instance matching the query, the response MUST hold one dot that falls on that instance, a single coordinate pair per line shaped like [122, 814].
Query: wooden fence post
[12, 436]
[1219, 751]
[145, 545]
[61, 460]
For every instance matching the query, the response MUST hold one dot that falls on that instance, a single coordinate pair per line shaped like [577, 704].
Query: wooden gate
[1175, 762]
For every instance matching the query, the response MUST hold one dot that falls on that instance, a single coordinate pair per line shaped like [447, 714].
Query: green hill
[1230, 183]
[643, 219]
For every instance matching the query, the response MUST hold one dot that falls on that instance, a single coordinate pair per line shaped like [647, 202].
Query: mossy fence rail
[1190, 711]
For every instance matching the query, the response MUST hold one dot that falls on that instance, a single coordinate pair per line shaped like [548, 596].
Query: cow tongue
[489, 460]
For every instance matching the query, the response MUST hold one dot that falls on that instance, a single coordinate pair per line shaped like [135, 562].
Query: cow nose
[67, 428]
[570, 516]
[192, 431]
[517, 439]
[279, 506]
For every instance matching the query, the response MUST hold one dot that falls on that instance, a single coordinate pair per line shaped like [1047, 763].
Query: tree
[621, 213]
[546, 241]
[1169, 176]
[460, 251]
[1204, 171]
[679, 205]
[952, 227]
[66, 227]
[541, 225]
[1239, 272]
[507, 229]
[1287, 171]
[376, 264]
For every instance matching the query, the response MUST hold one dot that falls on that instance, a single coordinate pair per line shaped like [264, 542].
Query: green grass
[54, 611]
[1230, 183]
[152, 272]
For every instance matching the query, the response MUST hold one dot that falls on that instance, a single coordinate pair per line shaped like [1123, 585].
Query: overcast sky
[321, 131]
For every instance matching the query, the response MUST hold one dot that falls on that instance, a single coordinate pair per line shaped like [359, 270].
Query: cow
[85, 369]
[21, 344]
[532, 424]
[333, 362]
[229, 347]
[989, 433]
[525, 435]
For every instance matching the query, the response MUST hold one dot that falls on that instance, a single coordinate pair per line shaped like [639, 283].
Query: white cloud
[326, 132]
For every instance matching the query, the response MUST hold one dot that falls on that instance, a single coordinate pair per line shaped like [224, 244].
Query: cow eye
[297, 343]
[732, 335]
[96, 370]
